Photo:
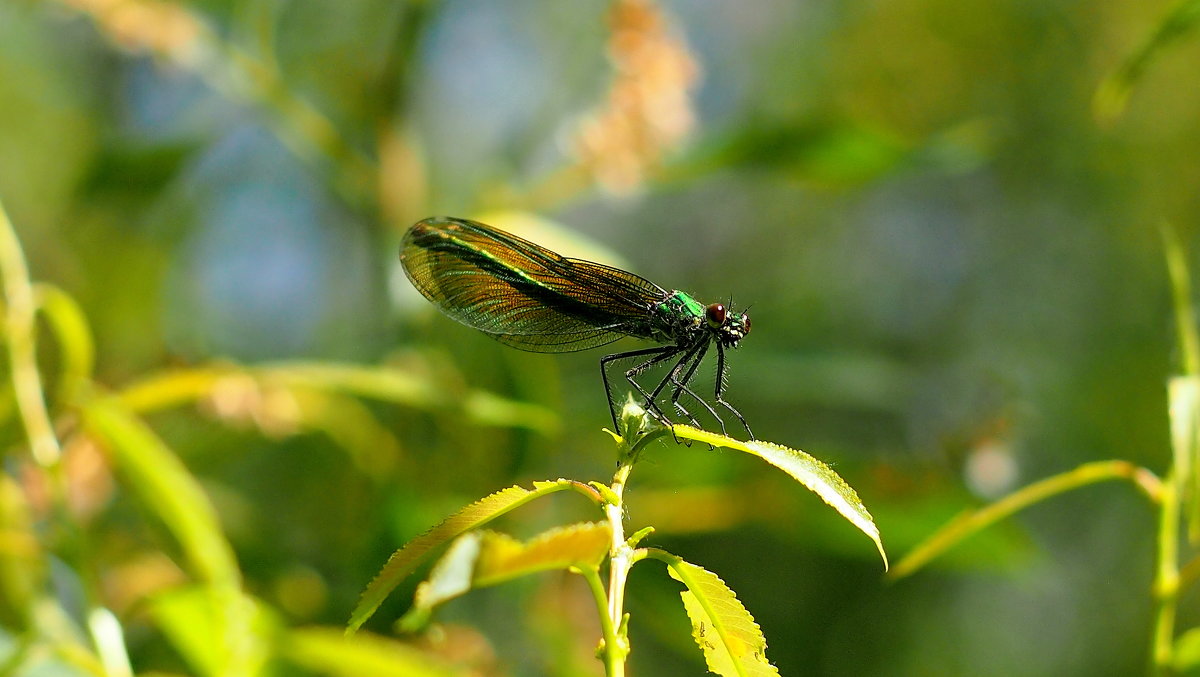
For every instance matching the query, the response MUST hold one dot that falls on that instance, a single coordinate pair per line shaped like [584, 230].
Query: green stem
[612, 662]
[20, 314]
[1166, 577]
[19, 319]
[620, 560]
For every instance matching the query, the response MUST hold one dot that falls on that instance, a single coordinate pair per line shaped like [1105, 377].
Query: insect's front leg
[682, 387]
[721, 387]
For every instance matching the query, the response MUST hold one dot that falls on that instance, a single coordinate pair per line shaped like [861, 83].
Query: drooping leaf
[813, 474]
[484, 558]
[732, 642]
[169, 491]
[971, 521]
[405, 560]
[330, 652]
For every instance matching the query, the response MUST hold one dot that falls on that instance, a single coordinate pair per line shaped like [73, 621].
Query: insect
[528, 297]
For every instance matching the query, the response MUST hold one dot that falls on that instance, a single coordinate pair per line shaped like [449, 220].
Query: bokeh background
[950, 245]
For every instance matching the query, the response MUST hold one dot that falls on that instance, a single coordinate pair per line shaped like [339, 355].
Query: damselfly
[531, 298]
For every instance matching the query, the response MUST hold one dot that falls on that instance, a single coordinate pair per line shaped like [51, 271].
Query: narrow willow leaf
[813, 474]
[170, 492]
[167, 489]
[732, 642]
[484, 558]
[405, 560]
[190, 617]
[1184, 408]
[329, 652]
[180, 386]
[972, 521]
[1113, 93]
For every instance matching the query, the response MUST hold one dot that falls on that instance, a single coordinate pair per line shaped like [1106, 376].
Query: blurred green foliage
[948, 237]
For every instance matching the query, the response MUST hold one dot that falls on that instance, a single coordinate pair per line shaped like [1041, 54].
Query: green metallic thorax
[678, 315]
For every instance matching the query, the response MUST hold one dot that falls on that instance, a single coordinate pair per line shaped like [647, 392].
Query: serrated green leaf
[503, 557]
[330, 652]
[732, 642]
[405, 560]
[483, 558]
[813, 474]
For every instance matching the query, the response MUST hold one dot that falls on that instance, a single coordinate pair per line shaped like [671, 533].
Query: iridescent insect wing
[521, 293]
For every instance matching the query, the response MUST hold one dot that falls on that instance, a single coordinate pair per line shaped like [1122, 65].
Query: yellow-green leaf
[405, 560]
[170, 492]
[813, 474]
[190, 617]
[484, 558]
[1186, 656]
[972, 521]
[166, 487]
[732, 642]
[329, 652]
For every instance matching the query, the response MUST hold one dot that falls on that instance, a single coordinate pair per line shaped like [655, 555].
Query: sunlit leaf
[169, 492]
[166, 487]
[183, 386]
[484, 558]
[405, 560]
[1184, 408]
[1113, 93]
[190, 617]
[1186, 656]
[330, 652]
[732, 642]
[972, 521]
[1184, 391]
[813, 474]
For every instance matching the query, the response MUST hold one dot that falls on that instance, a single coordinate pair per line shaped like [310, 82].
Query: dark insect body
[531, 298]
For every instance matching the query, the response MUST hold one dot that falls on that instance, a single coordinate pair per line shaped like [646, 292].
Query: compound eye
[715, 314]
[745, 324]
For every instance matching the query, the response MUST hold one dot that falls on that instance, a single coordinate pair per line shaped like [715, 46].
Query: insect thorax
[679, 318]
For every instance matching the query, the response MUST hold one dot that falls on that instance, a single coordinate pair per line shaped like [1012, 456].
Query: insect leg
[721, 387]
[659, 353]
[681, 386]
